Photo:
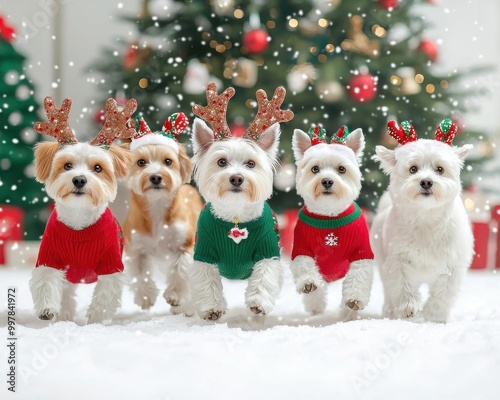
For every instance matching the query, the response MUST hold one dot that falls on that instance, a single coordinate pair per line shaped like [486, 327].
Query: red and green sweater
[84, 254]
[333, 242]
[236, 260]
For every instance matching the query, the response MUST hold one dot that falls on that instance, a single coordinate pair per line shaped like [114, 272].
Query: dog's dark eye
[141, 163]
[315, 169]
[342, 170]
[440, 170]
[413, 170]
[222, 162]
[168, 162]
[251, 164]
[68, 166]
[97, 168]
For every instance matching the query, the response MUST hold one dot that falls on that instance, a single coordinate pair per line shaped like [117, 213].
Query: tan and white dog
[421, 233]
[82, 242]
[161, 222]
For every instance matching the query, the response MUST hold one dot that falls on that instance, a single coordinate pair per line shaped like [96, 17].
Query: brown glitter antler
[268, 113]
[57, 125]
[116, 124]
[214, 113]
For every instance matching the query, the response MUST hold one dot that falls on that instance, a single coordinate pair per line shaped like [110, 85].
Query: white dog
[421, 233]
[82, 242]
[331, 238]
[237, 235]
[161, 222]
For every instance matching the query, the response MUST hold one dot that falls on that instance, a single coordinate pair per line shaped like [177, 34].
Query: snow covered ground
[156, 355]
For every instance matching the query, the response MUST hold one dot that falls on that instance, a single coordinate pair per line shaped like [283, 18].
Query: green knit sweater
[236, 260]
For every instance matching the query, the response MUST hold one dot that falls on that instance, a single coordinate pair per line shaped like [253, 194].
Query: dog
[421, 232]
[331, 239]
[237, 233]
[161, 222]
[82, 242]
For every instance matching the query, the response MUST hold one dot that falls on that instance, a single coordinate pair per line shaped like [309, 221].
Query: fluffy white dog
[421, 232]
[237, 236]
[82, 242]
[331, 238]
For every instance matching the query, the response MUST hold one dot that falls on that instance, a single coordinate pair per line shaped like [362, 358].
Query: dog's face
[235, 170]
[328, 176]
[424, 173]
[80, 175]
[157, 170]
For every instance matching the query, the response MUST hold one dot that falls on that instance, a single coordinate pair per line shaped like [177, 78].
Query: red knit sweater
[84, 254]
[333, 242]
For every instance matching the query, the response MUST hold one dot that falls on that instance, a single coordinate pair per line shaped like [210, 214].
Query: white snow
[156, 355]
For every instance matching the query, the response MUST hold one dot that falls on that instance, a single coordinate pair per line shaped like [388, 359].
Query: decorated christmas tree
[355, 63]
[17, 116]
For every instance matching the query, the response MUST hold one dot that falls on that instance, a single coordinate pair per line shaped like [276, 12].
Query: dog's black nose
[327, 183]
[236, 180]
[155, 179]
[426, 183]
[79, 181]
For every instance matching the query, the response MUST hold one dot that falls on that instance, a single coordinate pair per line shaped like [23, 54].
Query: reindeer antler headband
[445, 131]
[268, 113]
[116, 124]
[318, 135]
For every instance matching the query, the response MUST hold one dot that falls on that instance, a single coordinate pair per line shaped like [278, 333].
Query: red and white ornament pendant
[236, 233]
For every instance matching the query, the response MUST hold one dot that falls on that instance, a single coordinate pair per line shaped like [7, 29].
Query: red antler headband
[445, 132]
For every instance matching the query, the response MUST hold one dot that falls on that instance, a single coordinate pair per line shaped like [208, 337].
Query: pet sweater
[236, 260]
[84, 254]
[333, 242]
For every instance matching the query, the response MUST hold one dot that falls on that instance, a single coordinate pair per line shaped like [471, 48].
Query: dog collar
[352, 213]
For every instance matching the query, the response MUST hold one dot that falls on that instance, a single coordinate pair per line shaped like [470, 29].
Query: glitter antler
[269, 113]
[116, 124]
[57, 125]
[214, 113]
[404, 133]
[446, 131]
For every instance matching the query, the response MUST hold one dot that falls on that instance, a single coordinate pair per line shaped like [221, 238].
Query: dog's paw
[212, 315]
[355, 304]
[173, 302]
[435, 311]
[257, 310]
[46, 315]
[308, 288]
[409, 309]
[145, 301]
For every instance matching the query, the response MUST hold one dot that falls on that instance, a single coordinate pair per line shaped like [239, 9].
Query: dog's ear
[269, 140]
[125, 145]
[202, 137]
[186, 167]
[44, 154]
[121, 160]
[300, 143]
[356, 142]
[463, 151]
[386, 158]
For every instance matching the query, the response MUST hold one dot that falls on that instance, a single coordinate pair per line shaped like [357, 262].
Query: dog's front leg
[138, 267]
[106, 298]
[264, 286]
[443, 293]
[404, 296]
[178, 291]
[306, 274]
[68, 302]
[46, 286]
[206, 289]
[357, 284]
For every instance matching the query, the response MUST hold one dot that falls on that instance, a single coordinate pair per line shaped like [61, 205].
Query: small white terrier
[421, 232]
[82, 242]
[331, 238]
[161, 222]
[237, 235]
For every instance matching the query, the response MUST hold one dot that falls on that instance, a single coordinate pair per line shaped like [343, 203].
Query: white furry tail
[46, 286]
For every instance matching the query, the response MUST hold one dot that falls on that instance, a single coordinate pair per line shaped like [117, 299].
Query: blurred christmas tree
[355, 63]
[17, 116]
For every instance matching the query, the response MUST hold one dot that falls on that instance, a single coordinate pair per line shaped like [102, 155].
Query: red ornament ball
[256, 40]
[428, 47]
[388, 4]
[237, 130]
[362, 88]
[99, 116]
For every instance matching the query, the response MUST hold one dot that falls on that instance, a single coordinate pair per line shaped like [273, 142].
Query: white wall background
[467, 32]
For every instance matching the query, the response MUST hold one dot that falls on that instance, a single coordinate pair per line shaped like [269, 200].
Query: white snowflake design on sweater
[331, 240]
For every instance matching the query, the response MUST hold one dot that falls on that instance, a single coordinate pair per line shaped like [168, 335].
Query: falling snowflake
[331, 240]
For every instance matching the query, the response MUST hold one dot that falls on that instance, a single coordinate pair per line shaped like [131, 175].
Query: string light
[419, 78]
[143, 83]
[293, 23]
[322, 22]
[430, 88]
[270, 24]
[444, 84]
[379, 31]
[330, 48]
[322, 58]
[395, 80]
[238, 13]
